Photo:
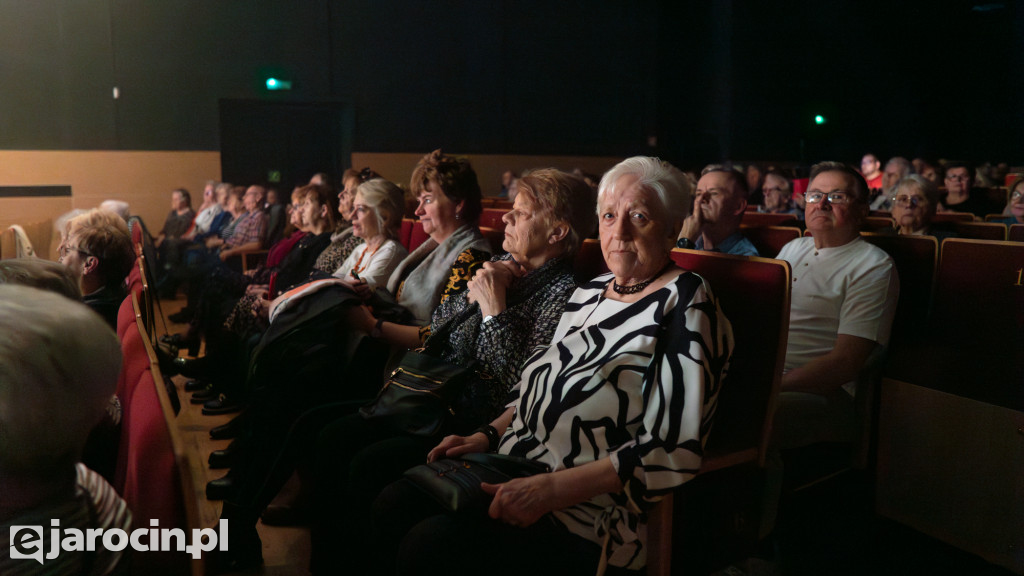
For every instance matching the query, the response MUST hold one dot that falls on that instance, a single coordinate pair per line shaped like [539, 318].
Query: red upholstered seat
[418, 236]
[405, 232]
[491, 218]
[589, 262]
[752, 219]
[769, 240]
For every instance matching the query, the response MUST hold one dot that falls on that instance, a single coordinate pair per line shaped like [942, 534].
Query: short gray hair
[672, 188]
[39, 273]
[860, 185]
[48, 367]
[924, 186]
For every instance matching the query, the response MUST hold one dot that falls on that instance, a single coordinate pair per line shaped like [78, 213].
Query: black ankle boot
[227, 457]
[230, 430]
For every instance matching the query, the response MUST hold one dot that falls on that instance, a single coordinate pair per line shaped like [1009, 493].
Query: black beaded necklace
[639, 286]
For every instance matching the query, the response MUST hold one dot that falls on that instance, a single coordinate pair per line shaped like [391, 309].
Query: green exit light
[819, 120]
[278, 84]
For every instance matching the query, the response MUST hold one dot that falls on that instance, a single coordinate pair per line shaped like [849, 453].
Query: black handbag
[455, 482]
[417, 396]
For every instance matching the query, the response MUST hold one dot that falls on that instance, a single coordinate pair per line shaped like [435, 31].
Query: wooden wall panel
[143, 179]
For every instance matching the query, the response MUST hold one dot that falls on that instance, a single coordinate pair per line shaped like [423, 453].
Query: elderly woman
[449, 208]
[619, 405]
[343, 242]
[914, 204]
[376, 219]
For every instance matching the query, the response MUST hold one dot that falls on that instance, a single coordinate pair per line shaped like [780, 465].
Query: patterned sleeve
[681, 387]
[504, 343]
[468, 262]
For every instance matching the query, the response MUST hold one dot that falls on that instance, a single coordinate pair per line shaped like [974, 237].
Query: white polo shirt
[851, 289]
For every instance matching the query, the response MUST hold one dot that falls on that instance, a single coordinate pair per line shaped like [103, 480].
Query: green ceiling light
[819, 120]
[278, 84]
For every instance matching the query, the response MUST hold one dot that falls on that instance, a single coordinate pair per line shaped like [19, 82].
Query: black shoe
[205, 395]
[230, 430]
[221, 488]
[196, 385]
[188, 340]
[221, 405]
[227, 457]
[198, 368]
[166, 360]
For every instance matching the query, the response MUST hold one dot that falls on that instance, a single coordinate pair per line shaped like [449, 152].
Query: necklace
[359, 267]
[639, 286]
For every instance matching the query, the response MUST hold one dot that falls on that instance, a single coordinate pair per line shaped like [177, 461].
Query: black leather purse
[418, 395]
[455, 482]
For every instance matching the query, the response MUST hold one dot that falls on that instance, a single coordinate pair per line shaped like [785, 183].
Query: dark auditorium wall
[692, 81]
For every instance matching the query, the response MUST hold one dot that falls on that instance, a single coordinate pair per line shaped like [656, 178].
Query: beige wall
[489, 167]
[143, 179]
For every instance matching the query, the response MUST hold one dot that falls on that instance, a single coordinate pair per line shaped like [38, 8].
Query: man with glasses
[961, 196]
[98, 252]
[844, 295]
[714, 223]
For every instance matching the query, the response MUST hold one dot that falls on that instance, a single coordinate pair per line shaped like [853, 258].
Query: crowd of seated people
[564, 370]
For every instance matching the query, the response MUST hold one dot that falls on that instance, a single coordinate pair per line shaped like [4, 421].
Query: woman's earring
[458, 216]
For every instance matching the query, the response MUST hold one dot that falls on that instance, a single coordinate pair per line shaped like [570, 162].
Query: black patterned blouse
[534, 304]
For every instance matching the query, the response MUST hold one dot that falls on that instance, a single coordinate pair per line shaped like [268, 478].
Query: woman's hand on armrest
[453, 446]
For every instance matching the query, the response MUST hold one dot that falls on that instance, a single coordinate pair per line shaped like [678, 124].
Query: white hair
[672, 188]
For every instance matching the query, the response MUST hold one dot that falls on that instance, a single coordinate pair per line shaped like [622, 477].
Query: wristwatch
[493, 438]
[685, 243]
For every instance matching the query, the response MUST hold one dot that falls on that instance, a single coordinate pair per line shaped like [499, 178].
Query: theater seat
[754, 294]
[417, 236]
[980, 230]
[491, 218]
[769, 240]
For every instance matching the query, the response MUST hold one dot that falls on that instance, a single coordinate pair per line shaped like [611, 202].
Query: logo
[29, 542]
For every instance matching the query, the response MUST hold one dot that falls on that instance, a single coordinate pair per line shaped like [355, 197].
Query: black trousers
[414, 535]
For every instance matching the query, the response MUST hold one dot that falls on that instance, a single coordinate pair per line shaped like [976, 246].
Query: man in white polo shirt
[843, 301]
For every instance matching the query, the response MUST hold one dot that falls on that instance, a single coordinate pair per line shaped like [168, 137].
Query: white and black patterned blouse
[635, 382]
[534, 303]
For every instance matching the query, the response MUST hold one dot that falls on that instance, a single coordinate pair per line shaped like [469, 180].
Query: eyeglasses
[832, 197]
[911, 201]
[65, 249]
[1017, 195]
[960, 177]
